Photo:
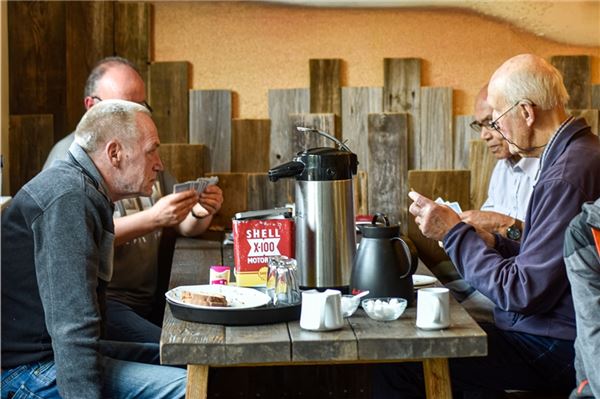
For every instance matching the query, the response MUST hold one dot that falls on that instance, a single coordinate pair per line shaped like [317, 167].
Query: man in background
[133, 313]
[57, 247]
[503, 212]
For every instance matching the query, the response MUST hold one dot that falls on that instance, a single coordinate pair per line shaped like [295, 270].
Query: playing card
[206, 181]
[201, 185]
[455, 206]
[180, 187]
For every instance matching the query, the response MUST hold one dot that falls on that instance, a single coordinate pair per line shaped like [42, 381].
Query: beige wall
[250, 48]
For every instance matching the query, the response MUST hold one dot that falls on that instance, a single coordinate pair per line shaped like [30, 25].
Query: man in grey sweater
[57, 246]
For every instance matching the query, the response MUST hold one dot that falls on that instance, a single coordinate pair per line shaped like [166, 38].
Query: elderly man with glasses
[503, 212]
[530, 343]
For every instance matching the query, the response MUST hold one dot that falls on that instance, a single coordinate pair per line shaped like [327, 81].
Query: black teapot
[384, 262]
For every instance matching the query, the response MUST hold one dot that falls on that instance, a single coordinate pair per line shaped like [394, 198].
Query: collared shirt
[511, 186]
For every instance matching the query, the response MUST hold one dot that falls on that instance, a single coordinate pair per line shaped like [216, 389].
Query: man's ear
[527, 110]
[88, 102]
[114, 152]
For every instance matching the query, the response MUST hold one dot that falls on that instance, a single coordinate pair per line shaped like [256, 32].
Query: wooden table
[361, 340]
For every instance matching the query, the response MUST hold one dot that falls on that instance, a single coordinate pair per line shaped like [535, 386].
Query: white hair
[106, 120]
[541, 83]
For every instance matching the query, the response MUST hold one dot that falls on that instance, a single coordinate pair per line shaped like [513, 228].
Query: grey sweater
[57, 243]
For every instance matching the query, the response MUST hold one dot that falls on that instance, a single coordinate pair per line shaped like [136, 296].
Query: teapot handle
[413, 258]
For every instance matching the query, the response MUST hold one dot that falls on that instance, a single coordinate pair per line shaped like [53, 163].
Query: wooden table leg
[197, 381]
[437, 378]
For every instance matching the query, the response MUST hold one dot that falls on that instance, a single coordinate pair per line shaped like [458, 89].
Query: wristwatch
[513, 232]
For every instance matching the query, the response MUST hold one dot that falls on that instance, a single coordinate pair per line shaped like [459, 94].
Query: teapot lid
[379, 230]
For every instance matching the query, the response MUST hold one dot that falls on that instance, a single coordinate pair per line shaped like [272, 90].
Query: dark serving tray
[268, 314]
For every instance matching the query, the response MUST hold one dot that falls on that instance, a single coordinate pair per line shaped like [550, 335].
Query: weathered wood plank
[132, 33]
[591, 116]
[250, 145]
[197, 386]
[595, 96]
[437, 378]
[360, 184]
[402, 93]
[463, 134]
[282, 103]
[401, 339]
[235, 193]
[185, 161]
[30, 138]
[436, 128]
[180, 341]
[576, 71]
[85, 20]
[328, 346]
[325, 94]
[257, 344]
[168, 86]
[451, 185]
[388, 166]
[210, 124]
[357, 104]
[265, 194]
[481, 164]
[37, 77]
[305, 140]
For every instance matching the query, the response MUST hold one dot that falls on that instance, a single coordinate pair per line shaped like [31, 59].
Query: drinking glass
[282, 281]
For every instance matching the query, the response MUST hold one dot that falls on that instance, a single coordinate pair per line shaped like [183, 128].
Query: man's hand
[172, 209]
[210, 201]
[434, 220]
[490, 221]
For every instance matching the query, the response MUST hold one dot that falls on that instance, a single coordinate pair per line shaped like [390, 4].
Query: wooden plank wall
[210, 124]
[481, 163]
[132, 34]
[436, 144]
[357, 104]
[250, 145]
[168, 96]
[576, 75]
[282, 103]
[84, 21]
[402, 93]
[388, 174]
[33, 133]
[461, 137]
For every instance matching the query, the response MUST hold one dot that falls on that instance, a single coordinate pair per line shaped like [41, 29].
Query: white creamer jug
[321, 311]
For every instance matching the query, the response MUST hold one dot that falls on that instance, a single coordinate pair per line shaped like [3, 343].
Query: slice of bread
[203, 299]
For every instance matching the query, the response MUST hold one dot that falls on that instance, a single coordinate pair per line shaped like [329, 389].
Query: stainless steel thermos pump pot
[325, 229]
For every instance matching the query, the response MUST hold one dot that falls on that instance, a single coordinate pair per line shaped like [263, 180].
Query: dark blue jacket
[528, 282]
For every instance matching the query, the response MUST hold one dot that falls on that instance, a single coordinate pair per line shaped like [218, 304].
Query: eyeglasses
[494, 124]
[143, 103]
[478, 126]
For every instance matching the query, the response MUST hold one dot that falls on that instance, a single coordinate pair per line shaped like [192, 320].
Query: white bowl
[384, 309]
[349, 305]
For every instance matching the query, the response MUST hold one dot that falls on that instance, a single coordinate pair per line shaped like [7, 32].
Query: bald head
[114, 78]
[528, 77]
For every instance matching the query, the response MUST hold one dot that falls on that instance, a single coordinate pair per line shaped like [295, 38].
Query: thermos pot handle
[288, 169]
[412, 267]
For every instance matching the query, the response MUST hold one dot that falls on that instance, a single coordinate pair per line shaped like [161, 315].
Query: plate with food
[222, 297]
